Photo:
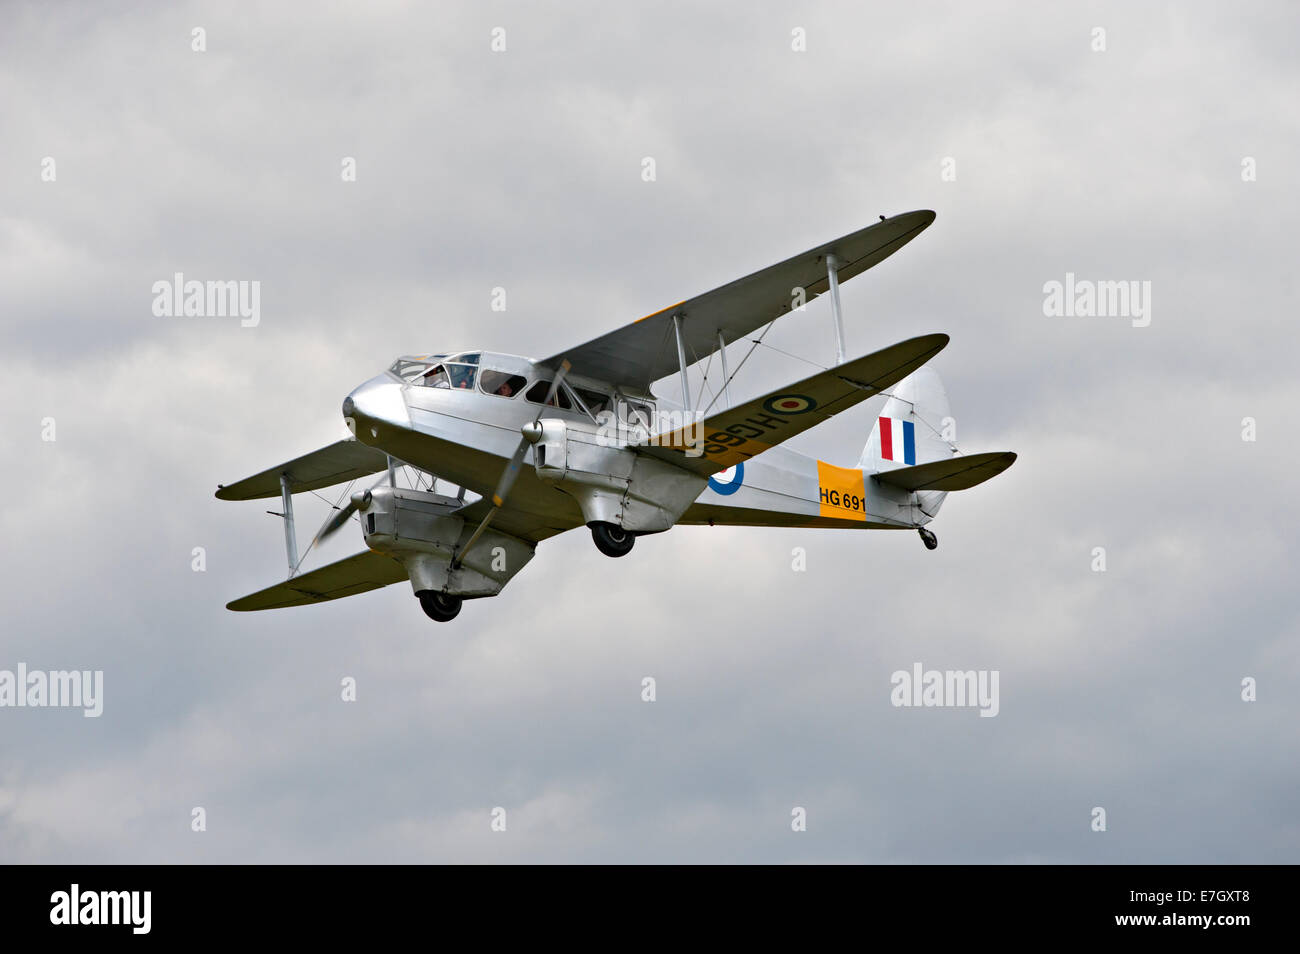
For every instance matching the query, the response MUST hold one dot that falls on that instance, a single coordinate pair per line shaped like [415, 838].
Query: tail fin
[914, 427]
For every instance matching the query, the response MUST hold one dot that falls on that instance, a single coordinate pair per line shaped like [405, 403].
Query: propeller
[532, 433]
[358, 501]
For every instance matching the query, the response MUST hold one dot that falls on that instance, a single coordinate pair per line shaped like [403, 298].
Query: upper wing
[646, 350]
[358, 573]
[343, 460]
[744, 431]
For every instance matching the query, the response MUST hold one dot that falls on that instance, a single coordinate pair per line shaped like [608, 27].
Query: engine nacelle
[422, 531]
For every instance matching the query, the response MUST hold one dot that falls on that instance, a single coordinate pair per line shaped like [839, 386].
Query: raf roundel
[789, 404]
[727, 482]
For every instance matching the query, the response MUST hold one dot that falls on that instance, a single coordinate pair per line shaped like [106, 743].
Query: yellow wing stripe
[660, 312]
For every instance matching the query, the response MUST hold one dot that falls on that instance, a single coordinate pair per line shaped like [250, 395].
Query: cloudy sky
[1161, 158]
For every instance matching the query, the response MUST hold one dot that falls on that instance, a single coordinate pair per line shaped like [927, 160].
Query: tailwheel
[439, 606]
[611, 539]
[928, 538]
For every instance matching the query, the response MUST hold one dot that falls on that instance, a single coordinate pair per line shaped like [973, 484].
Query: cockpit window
[537, 394]
[461, 375]
[435, 377]
[436, 373]
[501, 383]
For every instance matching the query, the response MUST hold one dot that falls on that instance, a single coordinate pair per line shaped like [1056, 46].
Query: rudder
[915, 426]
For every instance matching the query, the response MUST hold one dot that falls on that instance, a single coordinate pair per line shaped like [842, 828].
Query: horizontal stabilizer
[746, 430]
[955, 473]
[343, 460]
[358, 573]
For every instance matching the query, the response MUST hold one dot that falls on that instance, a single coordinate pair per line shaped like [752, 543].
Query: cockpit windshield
[410, 367]
[456, 372]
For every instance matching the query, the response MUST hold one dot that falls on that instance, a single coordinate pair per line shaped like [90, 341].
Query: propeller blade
[336, 522]
[510, 474]
[532, 433]
[555, 385]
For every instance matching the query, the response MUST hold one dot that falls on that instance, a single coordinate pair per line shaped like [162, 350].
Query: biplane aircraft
[581, 439]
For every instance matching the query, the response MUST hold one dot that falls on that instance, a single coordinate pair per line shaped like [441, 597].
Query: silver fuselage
[466, 437]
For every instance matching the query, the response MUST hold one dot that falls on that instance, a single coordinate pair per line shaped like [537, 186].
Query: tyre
[439, 606]
[611, 539]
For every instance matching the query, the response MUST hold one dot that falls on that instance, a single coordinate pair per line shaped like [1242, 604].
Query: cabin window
[637, 415]
[537, 394]
[436, 377]
[595, 401]
[501, 383]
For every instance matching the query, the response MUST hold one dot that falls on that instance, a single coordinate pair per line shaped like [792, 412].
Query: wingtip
[924, 216]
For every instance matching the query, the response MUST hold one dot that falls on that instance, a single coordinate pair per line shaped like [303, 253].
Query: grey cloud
[1119, 689]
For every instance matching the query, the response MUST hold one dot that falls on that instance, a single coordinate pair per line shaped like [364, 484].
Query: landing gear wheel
[439, 606]
[611, 539]
[929, 539]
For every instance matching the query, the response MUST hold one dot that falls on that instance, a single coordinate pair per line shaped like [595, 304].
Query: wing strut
[726, 378]
[290, 537]
[833, 277]
[681, 360]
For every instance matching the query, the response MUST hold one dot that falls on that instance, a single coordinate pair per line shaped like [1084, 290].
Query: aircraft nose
[375, 406]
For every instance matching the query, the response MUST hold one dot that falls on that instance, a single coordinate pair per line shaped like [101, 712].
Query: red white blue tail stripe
[897, 440]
